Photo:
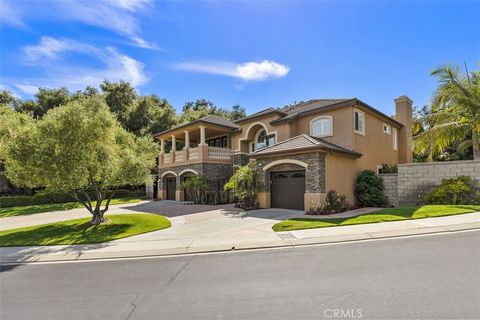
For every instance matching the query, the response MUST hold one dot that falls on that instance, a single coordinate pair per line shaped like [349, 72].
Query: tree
[196, 187]
[454, 116]
[7, 99]
[149, 115]
[120, 98]
[47, 99]
[78, 148]
[244, 183]
[237, 112]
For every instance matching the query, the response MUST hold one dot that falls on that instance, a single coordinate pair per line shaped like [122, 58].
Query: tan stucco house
[301, 151]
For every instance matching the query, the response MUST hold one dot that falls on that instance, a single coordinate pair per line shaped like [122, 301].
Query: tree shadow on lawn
[28, 210]
[54, 234]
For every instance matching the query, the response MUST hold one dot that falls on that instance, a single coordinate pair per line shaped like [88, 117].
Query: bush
[386, 168]
[44, 197]
[334, 203]
[369, 189]
[196, 187]
[244, 183]
[460, 190]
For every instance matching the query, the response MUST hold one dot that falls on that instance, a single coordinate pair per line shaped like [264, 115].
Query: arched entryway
[169, 184]
[184, 176]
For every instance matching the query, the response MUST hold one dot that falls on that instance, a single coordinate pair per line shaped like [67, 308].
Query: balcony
[202, 153]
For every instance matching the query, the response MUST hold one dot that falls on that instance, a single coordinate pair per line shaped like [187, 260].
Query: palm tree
[454, 116]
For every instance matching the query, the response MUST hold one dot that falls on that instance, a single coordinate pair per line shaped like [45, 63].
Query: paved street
[434, 276]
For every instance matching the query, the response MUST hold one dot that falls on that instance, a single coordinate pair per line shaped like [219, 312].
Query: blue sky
[257, 54]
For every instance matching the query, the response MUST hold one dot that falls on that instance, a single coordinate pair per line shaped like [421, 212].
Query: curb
[281, 244]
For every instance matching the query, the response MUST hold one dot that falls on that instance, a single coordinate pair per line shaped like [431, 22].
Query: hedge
[45, 198]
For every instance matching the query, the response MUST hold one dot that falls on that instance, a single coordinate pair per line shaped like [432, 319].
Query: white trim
[277, 162]
[168, 172]
[362, 132]
[245, 137]
[188, 170]
[389, 128]
[320, 118]
[395, 139]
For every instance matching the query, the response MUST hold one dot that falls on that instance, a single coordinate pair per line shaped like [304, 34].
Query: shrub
[44, 197]
[334, 203]
[369, 189]
[244, 183]
[196, 187]
[460, 190]
[386, 168]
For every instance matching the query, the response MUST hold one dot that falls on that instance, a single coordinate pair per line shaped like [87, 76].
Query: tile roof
[301, 142]
[212, 119]
[261, 113]
[312, 105]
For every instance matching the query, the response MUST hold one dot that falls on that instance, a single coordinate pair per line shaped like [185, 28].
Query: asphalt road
[426, 277]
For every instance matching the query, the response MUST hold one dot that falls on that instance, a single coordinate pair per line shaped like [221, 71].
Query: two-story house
[301, 151]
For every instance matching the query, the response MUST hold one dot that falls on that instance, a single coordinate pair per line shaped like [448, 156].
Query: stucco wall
[418, 179]
[341, 174]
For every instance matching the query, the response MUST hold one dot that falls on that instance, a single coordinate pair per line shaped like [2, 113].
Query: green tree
[120, 98]
[47, 99]
[149, 115]
[237, 112]
[454, 116]
[78, 148]
[7, 99]
[244, 183]
[196, 187]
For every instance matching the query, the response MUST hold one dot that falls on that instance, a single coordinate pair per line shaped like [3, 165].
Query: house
[301, 151]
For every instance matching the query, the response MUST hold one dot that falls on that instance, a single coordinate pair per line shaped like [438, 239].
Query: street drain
[286, 235]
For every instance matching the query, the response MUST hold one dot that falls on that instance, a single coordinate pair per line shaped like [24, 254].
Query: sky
[255, 53]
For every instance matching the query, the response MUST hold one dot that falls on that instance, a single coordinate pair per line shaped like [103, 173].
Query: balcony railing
[200, 153]
[219, 153]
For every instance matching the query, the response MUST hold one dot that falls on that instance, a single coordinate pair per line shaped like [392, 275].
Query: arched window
[321, 126]
[263, 140]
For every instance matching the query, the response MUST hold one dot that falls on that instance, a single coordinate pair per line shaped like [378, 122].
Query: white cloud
[249, 71]
[58, 72]
[118, 16]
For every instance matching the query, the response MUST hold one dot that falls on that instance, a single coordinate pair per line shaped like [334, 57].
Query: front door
[288, 189]
[171, 186]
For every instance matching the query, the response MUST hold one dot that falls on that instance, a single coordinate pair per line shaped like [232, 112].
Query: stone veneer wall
[418, 179]
[390, 182]
[315, 173]
[217, 174]
[240, 159]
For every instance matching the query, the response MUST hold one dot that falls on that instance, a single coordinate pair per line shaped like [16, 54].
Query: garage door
[288, 189]
[171, 186]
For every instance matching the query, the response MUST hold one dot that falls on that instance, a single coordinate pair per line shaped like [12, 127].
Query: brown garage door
[288, 189]
[171, 186]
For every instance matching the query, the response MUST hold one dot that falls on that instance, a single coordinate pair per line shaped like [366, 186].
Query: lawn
[382, 215]
[26, 210]
[80, 231]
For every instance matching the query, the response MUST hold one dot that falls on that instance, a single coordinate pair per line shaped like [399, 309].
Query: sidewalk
[223, 234]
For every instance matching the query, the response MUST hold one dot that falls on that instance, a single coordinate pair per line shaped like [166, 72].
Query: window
[263, 140]
[321, 126]
[387, 129]
[359, 122]
[394, 139]
[220, 142]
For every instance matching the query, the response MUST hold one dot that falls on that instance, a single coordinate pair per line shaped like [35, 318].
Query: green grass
[80, 231]
[382, 215]
[26, 210]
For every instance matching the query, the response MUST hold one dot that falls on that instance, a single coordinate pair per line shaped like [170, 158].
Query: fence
[415, 180]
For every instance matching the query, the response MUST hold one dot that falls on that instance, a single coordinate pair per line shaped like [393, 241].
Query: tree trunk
[97, 217]
[476, 145]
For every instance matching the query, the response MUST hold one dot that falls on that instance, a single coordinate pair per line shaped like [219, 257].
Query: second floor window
[263, 140]
[321, 127]
[359, 122]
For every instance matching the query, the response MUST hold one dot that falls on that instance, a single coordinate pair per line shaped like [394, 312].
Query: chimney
[404, 114]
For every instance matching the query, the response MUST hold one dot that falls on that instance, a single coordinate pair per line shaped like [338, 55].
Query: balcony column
[202, 135]
[186, 155]
[202, 146]
[162, 146]
[174, 148]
